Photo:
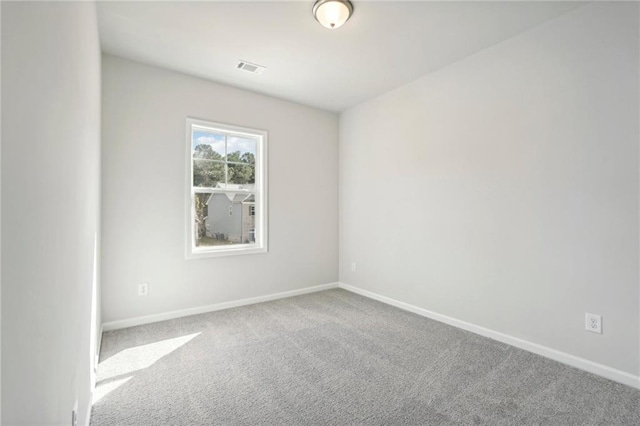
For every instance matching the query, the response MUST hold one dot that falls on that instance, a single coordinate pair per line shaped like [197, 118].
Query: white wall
[144, 112]
[50, 208]
[0, 217]
[503, 190]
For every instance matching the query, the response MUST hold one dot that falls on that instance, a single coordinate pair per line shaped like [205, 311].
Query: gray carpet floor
[336, 358]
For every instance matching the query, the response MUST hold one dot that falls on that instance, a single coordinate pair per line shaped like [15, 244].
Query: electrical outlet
[143, 289]
[353, 266]
[593, 323]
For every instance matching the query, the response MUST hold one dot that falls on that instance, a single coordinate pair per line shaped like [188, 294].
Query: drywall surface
[0, 217]
[503, 190]
[50, 209]
[144, 147]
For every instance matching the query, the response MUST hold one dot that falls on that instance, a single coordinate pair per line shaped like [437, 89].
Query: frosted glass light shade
[332, 13]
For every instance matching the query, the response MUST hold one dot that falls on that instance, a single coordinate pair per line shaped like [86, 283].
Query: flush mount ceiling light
[332, 13]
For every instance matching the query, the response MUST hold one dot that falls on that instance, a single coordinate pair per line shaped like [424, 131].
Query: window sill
[226, 251]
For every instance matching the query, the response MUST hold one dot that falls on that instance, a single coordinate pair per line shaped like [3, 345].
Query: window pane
[208, 173]
[208, 145]
[224, 219]
[228, 159]
[241, 150]
[249, 218]
[242, 174]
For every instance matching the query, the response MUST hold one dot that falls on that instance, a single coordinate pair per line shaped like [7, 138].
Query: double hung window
[227, 190]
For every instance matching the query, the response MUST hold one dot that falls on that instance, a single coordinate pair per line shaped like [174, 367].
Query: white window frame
[261, 196]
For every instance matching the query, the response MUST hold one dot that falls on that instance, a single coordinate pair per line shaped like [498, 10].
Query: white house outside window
[227, 190]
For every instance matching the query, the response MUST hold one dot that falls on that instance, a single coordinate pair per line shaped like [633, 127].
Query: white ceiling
[384, 45]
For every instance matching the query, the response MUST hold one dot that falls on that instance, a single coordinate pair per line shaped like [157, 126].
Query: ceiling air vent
[252, 68]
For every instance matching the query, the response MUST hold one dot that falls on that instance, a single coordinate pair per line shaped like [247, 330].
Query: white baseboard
[147, 319]
[97, 359]
[562, 357]
[95, 367]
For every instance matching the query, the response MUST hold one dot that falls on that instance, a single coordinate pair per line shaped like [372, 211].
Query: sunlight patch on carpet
[131, 360]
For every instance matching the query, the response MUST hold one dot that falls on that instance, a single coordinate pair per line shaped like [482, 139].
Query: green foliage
[205, 151]
[242, 173]
[248, 158]
[207, 173]
[208, 166]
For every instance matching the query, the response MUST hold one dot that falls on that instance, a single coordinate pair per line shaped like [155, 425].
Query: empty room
[320, 212]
